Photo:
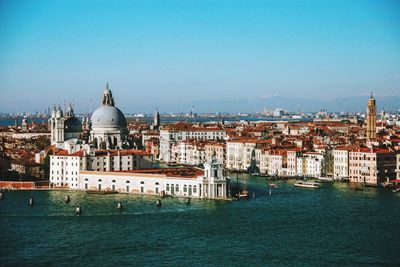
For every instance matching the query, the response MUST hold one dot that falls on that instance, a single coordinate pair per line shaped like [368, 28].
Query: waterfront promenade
[294, 227]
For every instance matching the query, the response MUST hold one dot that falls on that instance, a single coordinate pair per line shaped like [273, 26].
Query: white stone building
[65, 167]
[341, 163]
[238, 153]
[372, 166]
[292, 155]
[191, 152]
[312, 164]
[181, 182]
[169, 136]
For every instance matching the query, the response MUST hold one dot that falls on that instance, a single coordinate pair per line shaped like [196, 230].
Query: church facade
[64, 127]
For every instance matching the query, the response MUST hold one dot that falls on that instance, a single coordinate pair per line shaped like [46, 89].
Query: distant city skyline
[155, 53]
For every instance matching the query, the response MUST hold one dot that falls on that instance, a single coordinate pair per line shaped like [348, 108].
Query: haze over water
[293, 227]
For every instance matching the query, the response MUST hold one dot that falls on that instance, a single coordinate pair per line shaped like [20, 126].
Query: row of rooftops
[185, 172]
[103, 152]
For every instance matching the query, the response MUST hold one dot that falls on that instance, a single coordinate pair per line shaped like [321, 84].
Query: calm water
[293, 227]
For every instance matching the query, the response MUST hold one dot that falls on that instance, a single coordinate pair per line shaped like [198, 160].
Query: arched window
[100, 181]
[86, 179]
[141, 182]
[113, 181]
[157, 183]
[128, 182]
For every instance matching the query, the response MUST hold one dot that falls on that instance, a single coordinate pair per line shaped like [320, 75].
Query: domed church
[108, 128]
[64, 127]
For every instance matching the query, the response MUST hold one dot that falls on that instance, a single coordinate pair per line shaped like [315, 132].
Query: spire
[70, 110]
[108, 99]
[372, 95]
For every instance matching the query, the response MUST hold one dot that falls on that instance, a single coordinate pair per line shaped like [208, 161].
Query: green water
[292, 227]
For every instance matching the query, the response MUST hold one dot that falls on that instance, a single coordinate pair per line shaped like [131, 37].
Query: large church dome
[108, 117]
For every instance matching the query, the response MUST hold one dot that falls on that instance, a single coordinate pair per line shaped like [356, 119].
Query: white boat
[325, 179]
[307, 184]
[243, 194]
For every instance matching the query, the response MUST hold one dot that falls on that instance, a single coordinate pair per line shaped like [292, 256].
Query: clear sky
[152, 52]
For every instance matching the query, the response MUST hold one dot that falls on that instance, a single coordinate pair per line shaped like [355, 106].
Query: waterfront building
[170, 135]
[264, 160]
[65, 167]
[181, 182]
[341, 163]
[292, 155]
[277, 163]
[372, 166]
[371, 119]
[239, 153]
[301, 166]
[312, 164]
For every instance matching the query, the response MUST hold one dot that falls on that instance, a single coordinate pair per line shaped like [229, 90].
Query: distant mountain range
[233, 105]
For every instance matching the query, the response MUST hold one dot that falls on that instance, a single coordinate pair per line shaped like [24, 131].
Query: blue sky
[152, 52]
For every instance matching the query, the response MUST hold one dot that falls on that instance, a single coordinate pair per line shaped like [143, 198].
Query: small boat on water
[306, 184]
[324, 179]
[244, 194]
[101, 192]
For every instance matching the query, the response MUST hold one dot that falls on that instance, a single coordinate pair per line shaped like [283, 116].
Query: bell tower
[371, 119]
[57, 126]
[156, 122]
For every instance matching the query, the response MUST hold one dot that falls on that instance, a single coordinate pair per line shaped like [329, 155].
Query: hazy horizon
[157, 53]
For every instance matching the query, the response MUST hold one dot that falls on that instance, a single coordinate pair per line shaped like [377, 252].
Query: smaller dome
[72, 125]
